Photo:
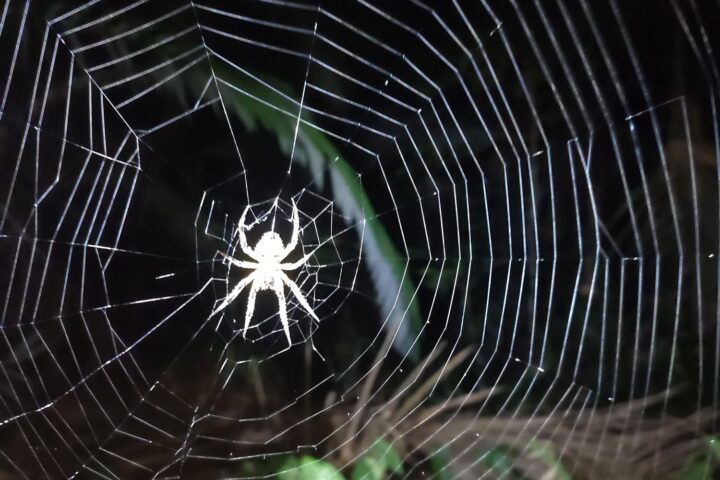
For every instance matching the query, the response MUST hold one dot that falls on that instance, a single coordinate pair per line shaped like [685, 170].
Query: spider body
[269, 268]
[268, 271]
[270, 246]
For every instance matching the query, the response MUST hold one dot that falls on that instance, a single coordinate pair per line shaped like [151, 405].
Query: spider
[268, 271]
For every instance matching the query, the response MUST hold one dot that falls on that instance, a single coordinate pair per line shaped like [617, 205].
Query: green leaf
[388, 272]
[545, 452]
[700, 469]
[714, 445]
[440, 465]
[256, 104]
[308, 468]
[388, 455]
[368, 469]
[500, 460]
[380, 459]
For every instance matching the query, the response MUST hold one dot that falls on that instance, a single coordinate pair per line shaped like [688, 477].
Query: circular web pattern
[509, 212]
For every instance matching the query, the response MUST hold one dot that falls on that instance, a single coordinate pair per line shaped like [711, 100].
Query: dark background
[479, 190]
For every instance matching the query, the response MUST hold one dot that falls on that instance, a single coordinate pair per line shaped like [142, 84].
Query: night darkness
[510, 212]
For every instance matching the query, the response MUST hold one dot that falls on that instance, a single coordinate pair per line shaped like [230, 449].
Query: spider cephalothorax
[268, 271]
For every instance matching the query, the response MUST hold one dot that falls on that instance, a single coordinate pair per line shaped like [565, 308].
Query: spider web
[512, 209]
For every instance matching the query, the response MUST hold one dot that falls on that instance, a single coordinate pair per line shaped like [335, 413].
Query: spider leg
[243, 239]
[295, 233]
[234, 293]
[296, 264]
[250, 305]
[239, 263]
[280, 291]
[299, 295]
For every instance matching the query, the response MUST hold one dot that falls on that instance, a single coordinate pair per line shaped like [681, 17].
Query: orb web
[512, 210]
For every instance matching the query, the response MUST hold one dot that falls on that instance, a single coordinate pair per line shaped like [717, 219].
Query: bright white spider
[268, 271]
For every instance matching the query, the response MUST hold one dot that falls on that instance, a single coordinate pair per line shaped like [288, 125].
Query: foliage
[714, 445]
[380, 460]
[440, 465]
[500, 460]
[703, 466]
[503, 460]
[546, 454]
[308, 468]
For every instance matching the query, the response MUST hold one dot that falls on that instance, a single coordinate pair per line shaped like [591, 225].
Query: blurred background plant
[544, 445]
